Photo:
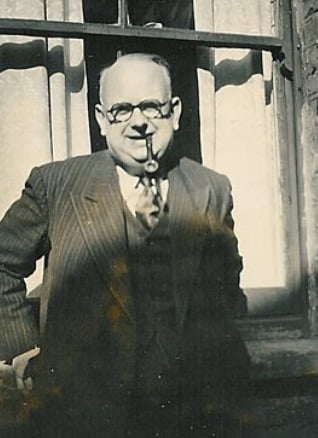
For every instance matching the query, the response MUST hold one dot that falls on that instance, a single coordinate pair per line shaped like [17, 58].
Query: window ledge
[290, 358]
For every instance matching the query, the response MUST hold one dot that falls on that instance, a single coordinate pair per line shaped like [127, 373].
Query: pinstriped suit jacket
[71, 213]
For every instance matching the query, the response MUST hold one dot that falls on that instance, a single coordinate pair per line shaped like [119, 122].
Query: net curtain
[43, 111]
[239, 134]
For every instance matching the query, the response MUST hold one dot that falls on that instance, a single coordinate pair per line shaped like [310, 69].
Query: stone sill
[284, 359]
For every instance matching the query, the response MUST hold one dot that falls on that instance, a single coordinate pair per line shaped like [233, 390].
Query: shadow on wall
[236, 72]
[100, 52]
[20, 56]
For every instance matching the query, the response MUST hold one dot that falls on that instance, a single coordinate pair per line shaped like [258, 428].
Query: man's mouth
[137, 138]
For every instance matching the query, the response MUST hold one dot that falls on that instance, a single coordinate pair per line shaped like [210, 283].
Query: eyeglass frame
[159, 107]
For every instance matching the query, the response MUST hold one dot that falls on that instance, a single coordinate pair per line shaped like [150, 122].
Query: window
[232, 64]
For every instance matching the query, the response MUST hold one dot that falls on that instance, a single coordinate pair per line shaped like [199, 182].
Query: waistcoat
[157, 337]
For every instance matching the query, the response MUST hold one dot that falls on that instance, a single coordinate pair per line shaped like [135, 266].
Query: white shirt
[131, 188]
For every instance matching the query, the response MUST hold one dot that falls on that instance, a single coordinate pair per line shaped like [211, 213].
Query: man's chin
[140, 160]
[135, 166]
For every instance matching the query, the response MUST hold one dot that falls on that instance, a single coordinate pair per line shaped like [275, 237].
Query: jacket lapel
[188, 205]
[99, 210]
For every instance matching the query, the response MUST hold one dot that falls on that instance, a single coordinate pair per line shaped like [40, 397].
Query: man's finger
[20, 362]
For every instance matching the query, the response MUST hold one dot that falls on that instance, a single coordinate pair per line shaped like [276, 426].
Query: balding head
[132, 61]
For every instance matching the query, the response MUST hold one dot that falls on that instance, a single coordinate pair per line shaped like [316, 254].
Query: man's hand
[12, 376]
[7, 377]
[15, 389]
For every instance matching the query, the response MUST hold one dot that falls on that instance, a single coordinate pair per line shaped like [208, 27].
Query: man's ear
[100, 118]
[176, 111]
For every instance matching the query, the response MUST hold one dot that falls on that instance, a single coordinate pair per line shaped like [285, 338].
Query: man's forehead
[139, 59]
[131, 75]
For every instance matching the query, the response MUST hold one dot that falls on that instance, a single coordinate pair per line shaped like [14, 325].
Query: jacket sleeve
[23, 240]
[234, 298]
[234, 266]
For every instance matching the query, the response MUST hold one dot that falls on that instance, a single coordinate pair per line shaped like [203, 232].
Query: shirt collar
[127, 182]
[130, 188]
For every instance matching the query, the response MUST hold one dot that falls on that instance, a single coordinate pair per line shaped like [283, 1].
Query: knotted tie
[149, 204]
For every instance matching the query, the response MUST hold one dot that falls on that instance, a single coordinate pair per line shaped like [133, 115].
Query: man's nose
[138, 121]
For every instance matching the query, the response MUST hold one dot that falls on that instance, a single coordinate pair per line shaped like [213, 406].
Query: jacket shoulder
[201, 175]
[68, 164]
[60, 177]
[75, 170]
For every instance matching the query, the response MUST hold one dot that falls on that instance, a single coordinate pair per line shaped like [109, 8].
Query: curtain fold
[43, 95]
[43, 111]
[236, 93]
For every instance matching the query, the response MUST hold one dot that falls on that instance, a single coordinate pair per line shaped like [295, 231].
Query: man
[141, 278]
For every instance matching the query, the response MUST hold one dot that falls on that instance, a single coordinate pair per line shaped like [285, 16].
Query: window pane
[243, 134]
[56, 10]
[166, 13]
[32, 9]
[101, 11]
[250, 17]
[248, 151]
[249, 146]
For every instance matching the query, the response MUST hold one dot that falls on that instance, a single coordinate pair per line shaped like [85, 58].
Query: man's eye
[150, 105]
[123, 109]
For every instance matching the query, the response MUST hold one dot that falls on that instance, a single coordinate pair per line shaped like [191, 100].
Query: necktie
[149, 204]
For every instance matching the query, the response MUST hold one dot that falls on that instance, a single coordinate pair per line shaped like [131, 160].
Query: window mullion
[81, 30]
[123, 18]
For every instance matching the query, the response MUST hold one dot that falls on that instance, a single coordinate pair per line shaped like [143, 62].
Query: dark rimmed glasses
[151, 109]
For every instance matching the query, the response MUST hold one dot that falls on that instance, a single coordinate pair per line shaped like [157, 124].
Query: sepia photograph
[158, 218]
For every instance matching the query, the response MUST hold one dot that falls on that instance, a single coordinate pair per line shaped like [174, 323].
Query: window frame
[68, 29]
[283, 51]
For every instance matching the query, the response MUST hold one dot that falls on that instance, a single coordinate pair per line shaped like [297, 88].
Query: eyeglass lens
[150, 109]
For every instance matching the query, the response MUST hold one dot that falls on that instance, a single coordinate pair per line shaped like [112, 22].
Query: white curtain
[241, 141]
[43, 110]
[43, 116]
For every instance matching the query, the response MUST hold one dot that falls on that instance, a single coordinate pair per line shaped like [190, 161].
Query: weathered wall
[288, 407]
[307, 28]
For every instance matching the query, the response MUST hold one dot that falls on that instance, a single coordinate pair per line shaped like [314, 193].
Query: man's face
[133, 81]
